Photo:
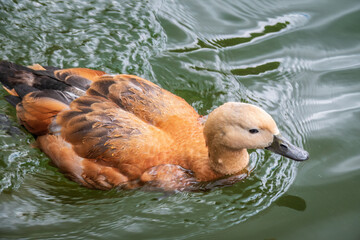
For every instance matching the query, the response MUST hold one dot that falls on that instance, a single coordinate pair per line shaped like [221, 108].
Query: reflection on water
[264, 29]
[239, 40]
[298, 60]
[245, 71]
[293, 202]
[256, 70]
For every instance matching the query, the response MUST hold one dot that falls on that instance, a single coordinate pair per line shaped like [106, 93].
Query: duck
[108, 131]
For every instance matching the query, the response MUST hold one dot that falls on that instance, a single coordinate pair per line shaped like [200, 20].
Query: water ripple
[265, 29]
[61, 36]
[208, 52]
[322, 62]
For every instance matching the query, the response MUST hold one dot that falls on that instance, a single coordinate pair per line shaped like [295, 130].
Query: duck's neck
[228, 161]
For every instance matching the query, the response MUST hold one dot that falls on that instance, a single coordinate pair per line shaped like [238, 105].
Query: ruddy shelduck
[105, 131]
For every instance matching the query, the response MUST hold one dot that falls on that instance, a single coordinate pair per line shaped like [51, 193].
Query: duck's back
[133, 124]
[117, 126]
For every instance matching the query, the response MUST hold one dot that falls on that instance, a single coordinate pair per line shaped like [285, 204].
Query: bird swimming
[105, 131]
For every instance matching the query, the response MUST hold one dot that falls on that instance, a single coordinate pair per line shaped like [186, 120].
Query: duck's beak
[283, 147]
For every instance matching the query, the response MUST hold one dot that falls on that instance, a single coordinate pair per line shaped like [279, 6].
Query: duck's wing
[120, 122]
[142, 98]
[99, 129]
[119, 126]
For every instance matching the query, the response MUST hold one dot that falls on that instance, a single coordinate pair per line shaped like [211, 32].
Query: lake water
[299, 60]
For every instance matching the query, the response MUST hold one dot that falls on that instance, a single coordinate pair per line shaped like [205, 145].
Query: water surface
[299, 60]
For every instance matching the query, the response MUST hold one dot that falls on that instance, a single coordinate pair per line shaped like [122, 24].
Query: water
[299, 60]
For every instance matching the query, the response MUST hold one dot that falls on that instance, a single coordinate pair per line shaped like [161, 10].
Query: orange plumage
[107, 131]
[130, 124]
[116, 132]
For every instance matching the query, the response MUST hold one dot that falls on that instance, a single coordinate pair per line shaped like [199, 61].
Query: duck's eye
[253, 131]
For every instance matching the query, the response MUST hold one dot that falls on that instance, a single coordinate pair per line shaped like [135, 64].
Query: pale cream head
[239, 126]
[234, 127]
[231, 129]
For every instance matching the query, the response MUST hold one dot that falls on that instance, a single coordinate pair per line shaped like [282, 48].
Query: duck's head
[236, 126]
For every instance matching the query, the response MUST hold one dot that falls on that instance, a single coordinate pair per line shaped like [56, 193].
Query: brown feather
[115, 135]
[37, 113]
[90, 74]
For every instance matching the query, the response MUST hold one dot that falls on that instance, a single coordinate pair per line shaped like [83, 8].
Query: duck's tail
[19, 80]
[39, 93]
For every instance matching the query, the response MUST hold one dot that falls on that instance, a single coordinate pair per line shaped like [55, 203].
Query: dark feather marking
[93, 92]
[15, 74]
[79, 133]
[88, 100]
[11, 79]
[86, 109]
[66, 116]
[13, 100]
[78, 81]
[96, 133]
[23, 89]
[12, 66]
[46, 82]
[51, 68]
[12, 74]
[82, 108]
[99, 148]
[63, 97]
[81, 125]
[4, 80]
[102, 86]
[76, 119]
[118, 101]
[62, 75]
[45, 73]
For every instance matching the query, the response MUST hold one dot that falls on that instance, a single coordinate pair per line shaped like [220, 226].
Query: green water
[299, 60]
